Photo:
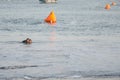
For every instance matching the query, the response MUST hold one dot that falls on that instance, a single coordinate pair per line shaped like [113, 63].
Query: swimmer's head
[27, 41]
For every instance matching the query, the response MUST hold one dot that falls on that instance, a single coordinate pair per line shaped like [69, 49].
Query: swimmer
[27, 41]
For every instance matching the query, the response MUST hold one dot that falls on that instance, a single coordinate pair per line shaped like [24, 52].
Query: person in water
[27, 41]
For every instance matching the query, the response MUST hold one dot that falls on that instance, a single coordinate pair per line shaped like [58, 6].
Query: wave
[65, 77]
[21, 21]
[21, 66]
[16, 67]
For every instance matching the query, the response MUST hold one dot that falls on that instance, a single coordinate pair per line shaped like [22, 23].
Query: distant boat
[48, 1]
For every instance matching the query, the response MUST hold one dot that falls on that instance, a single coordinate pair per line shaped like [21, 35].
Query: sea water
[85, 41]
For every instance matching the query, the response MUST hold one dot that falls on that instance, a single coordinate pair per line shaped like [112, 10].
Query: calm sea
[85, 41]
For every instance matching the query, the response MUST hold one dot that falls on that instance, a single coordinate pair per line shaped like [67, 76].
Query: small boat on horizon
[48, 1]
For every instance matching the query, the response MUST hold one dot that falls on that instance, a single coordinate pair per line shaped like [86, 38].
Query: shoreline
[88, 78]
[93, 78]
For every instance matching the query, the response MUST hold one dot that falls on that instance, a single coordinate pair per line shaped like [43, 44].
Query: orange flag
[51, 18]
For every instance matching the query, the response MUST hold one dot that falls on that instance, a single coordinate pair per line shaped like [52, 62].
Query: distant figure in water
[27, 41]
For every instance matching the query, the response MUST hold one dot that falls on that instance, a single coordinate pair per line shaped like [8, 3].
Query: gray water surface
[85, 41]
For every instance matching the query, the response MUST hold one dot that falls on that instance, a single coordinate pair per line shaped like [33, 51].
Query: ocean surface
[85, 41]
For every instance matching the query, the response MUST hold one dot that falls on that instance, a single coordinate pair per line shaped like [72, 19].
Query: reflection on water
[53, 36]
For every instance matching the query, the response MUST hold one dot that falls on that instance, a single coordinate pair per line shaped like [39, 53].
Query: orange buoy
[113, 3]
[51, 18]
[107, 6]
